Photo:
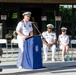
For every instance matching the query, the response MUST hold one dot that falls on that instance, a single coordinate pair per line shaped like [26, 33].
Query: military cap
[63, 28]
[26, 13]
[50, 26]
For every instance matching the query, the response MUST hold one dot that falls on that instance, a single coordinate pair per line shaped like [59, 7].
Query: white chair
[4, 41]
[73, 42]
[13, 42]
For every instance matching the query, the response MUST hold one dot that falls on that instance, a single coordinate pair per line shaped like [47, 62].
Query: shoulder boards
[21, 21]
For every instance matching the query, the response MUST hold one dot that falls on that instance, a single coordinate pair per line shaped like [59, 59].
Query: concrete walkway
[9, 65]
[48, 65]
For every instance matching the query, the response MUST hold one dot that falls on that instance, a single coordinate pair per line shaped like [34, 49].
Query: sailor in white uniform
[63, 40]
[49, 41]
[24, 30]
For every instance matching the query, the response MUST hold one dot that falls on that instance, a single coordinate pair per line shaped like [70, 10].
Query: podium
[32, 56]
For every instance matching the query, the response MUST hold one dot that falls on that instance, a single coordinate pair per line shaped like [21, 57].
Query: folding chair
[73, 42]
[13, 42]
[4, 41]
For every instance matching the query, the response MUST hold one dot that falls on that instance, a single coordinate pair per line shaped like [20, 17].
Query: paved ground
[58, 67]
[57, 72]
[11, 68]
[50, 71]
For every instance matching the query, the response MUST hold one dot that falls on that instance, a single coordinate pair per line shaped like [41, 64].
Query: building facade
[44, 12]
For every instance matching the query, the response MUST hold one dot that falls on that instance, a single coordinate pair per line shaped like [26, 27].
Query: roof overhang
[41, 1]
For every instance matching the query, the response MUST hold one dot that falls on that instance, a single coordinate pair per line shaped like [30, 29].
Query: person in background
[63, 40]
[49, 41]
[14, 35]
[35, 25]
[24, 30]
[9, 35]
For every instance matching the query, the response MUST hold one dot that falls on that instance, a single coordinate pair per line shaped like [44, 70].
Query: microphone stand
[36, 28]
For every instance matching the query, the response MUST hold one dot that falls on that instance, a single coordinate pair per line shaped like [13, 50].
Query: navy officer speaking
[24, 30]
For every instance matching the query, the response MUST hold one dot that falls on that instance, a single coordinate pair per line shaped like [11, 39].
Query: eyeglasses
[49, 28]
[63, 31]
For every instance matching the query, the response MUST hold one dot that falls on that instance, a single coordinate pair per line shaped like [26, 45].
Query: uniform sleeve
[59, 38]
[31, 28]
[55, 36]
[19, 26]
[43, 35]
[68, 38]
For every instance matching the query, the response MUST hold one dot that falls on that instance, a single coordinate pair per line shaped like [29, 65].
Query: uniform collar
[25, 21]
[49, 33]
[63, 35]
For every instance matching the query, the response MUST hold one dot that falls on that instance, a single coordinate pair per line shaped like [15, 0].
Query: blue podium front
[32, 56]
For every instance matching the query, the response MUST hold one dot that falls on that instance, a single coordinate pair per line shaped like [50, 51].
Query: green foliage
[66, 13]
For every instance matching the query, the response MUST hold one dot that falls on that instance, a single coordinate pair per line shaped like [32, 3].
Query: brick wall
[40, 1]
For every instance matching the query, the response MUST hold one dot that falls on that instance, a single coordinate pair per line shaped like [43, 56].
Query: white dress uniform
[49, 37]
[24, 28]
[63, 39]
